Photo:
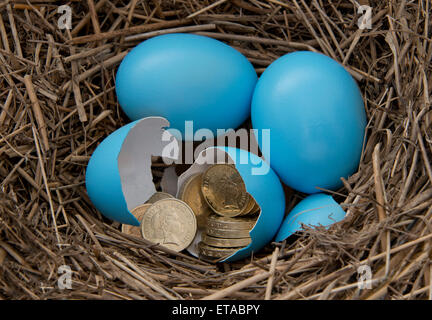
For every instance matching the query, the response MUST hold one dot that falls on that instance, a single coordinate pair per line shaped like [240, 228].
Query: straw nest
[58, 103]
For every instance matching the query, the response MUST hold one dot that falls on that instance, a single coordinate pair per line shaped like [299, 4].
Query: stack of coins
[214, 203]
[224, 235]
[169, 222]
[227, 229]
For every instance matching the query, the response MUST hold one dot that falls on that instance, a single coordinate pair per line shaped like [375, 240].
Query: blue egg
[118, 176]
[316, 116]
[315, 210]
[186, 77]
[265, 187]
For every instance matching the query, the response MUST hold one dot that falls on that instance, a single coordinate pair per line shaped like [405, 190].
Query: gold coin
[226, 223]
[138, 213]
[169, 222]
[225, 243]
[190, 192]
[227, 233]
[255, 209]
[224, 190]
[250, 206]
[159, 196]
[214, 252]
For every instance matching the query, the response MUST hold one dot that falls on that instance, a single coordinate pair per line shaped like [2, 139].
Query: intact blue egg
[186, 77]
[315, 210]
[316, 116]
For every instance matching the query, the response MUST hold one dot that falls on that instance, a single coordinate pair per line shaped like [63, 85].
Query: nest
[58, 103]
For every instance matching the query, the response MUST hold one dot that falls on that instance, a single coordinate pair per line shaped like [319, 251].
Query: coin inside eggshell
[213, 252]
[170, 223]
[224, 242]
[224, 190]
[266, 205]
[227, 233]
[190, 192]
[251, 208]
[159, 196]
[138, 213]
[236, 223]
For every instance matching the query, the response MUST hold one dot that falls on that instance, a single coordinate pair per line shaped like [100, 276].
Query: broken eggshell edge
[315, 210]
[265, 188]
[118, 176]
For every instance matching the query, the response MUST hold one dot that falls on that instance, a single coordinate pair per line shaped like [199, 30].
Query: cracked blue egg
[261, 183]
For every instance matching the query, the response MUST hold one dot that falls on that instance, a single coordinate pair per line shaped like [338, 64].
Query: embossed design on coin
[224, 190]
[169, 222]
[159, 196]
[225, 243]
[237, 223]
[251, 206]
[138, 213]
[190, 192]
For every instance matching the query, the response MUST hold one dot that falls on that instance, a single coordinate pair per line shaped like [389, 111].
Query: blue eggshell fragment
[264, 185]
[103, 178]
[315, 210]
[186, 77]
[118, 176]
[316, 115]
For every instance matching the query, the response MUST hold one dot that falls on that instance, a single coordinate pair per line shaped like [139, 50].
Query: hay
[58, 102]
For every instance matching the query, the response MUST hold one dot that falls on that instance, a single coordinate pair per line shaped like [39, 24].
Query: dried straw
[58, 103]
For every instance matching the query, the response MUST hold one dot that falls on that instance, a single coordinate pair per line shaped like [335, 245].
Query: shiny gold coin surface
[169, 222]
[249, 207]
[227, 233]
[225, 243]
[138, 213]
[190, 192]
[224, 190]
[214, 252]
[226, 223]
[159, 196]
[255, 209]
